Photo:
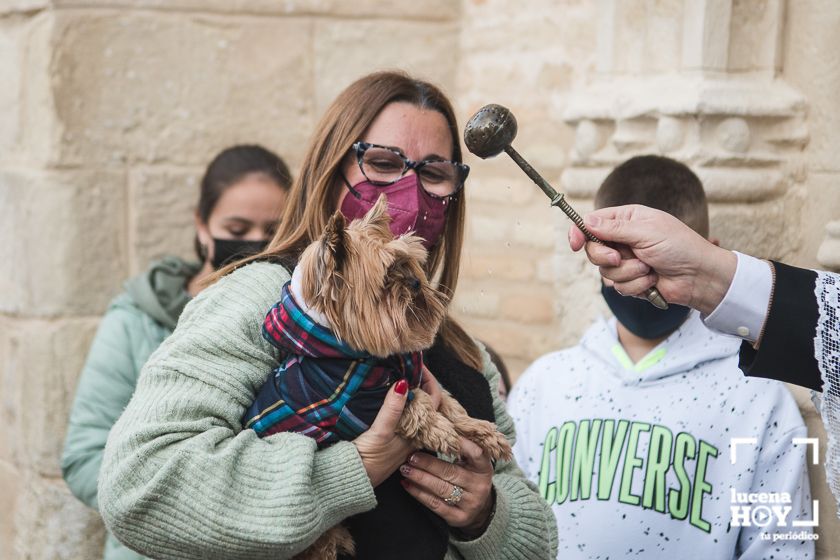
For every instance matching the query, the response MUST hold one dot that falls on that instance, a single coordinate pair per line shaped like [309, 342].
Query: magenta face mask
[410, 207]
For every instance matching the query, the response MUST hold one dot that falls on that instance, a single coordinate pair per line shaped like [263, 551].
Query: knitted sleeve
[181, 479]
[523, 527]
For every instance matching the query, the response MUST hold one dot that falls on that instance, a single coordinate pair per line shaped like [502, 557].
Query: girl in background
[242, 195]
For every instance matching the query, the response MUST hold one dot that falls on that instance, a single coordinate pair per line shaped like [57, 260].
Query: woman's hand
[431, 481]
[381, 449]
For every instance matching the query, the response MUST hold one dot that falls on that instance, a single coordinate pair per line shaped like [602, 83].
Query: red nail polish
[402, 387]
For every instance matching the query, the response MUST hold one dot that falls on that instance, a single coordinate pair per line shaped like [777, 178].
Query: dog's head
[372, 287]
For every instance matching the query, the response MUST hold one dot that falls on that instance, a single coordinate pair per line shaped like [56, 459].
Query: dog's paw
[487, 437]
[441, 439]
[497, 446]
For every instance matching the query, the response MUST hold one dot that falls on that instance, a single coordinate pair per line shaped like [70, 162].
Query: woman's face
[248, 210]
[419, 133]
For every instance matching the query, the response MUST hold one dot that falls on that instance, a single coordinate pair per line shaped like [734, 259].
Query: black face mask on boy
[226, 251]
[641, 318]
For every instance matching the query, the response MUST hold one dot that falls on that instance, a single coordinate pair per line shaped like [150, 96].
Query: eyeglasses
[384, 166]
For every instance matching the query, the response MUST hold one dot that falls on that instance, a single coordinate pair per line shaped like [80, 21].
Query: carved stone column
[697, 81]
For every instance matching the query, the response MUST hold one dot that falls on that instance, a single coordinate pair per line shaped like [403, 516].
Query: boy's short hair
[661, 183]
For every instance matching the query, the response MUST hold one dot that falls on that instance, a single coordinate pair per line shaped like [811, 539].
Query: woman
[242, 195]
[181, 478]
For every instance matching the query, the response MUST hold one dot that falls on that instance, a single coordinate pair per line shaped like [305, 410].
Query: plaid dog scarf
[323, 388]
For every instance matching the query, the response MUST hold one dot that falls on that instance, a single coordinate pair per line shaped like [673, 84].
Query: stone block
[486, 229]
[40, 128]
[51, 524]
[10, 488]
[508, 266]
[504, 30]
[510, 339]
[810, 28]
[45, 361]
[346, 50]
[162, 206]
[8, 393]
[758, 31]
[548, 268]
[22, 6]
[498, 183]
[507, 339]
[238, 7]
[476, 301]
[149, 87]
[65, 241]
[646, 35]
[535, 306]
[11, 74]
[539, 228]
[421, 9]
[706, 30]
[755, 228]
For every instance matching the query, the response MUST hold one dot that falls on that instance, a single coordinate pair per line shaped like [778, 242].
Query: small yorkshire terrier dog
[353, 320]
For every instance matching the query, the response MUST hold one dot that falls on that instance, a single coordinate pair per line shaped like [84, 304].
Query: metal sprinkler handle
[490, 132]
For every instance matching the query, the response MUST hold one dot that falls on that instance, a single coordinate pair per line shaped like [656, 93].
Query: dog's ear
[378, 215]
[332, 249]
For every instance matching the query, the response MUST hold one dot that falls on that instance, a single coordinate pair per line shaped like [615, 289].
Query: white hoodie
[636, 459]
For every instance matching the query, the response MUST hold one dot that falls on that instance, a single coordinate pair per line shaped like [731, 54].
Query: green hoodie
[134, 325]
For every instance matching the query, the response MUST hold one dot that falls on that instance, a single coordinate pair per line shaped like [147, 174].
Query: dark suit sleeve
[786, 352]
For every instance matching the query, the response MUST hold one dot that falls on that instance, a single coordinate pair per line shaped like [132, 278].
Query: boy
[628, 433]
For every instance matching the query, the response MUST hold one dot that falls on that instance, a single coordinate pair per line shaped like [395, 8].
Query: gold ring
[455, 496]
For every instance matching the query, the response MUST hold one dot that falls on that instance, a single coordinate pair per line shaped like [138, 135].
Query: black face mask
[641, 318]
[227, 251]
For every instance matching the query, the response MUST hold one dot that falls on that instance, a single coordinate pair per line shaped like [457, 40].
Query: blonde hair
[314, 198]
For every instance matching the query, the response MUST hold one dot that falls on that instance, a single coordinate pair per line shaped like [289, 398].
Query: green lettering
[546, 487]
[612, 442]
[631, 463]
[585, 446]
[701, 486]
[684, 448]
[564, 460]
[658, 462]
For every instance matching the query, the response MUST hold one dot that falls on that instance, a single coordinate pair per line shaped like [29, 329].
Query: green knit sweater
[181, 479]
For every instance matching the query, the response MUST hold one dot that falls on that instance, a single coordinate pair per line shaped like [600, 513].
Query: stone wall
[108, 112]
[110, 108]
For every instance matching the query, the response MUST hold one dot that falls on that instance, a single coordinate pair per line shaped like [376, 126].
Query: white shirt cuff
[743, 310]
